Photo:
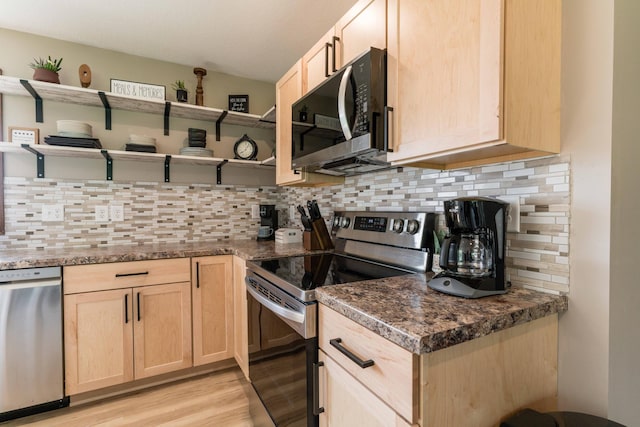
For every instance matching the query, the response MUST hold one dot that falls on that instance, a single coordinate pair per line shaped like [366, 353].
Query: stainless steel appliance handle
[30, 284]
[280, 311]
[342, 103]
[317, 410]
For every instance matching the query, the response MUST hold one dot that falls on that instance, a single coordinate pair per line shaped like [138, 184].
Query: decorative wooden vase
[43, 75]
[200, 73]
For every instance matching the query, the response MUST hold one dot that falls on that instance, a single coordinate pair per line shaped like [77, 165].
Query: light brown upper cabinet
[288, 91]
[362, 27]
[473, 81]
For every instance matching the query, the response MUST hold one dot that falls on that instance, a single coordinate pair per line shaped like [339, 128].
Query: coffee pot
[268, 222]
[472, 255]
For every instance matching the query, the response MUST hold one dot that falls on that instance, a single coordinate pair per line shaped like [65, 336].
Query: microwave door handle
[342, 103]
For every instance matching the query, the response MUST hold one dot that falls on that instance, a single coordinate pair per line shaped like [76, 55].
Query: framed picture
[22, 135]
[138, 90]
[239, 103]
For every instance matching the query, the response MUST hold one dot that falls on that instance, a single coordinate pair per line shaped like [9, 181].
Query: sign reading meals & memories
[138, 90]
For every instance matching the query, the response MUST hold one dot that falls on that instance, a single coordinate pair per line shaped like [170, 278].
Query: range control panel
[404, 229]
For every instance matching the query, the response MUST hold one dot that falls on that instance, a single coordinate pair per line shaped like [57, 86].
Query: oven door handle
[279, 310]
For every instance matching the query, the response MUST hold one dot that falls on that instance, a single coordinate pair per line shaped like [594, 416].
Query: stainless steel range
[282, 306]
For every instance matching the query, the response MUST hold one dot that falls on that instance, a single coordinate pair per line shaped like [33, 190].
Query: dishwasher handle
[30, 284]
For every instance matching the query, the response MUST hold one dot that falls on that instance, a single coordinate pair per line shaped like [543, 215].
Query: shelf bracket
[218, 122]
[167, 109]
[106, 155]
[31, 90]
[167, 174]
[39, 159]
[219, 171]
[107, 110]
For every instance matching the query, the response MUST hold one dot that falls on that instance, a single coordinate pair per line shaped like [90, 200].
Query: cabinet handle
[355, 359]
[296, 172]
[139, 306]
[385, 124]
[142, 273]
[126, 308]
[333, 52]
[317, 410]
[326, 59]
[197, 275]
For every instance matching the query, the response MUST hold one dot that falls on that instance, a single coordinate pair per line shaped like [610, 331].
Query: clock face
[246, 149]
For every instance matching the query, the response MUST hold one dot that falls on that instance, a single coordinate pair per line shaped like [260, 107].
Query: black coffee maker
[472, 256]
[268, 222]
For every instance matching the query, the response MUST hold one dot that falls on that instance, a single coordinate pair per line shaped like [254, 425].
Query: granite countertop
[402, 309]
[405, 311]
[247, 249]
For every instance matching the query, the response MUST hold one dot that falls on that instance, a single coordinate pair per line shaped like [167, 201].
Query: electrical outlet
[116, 212]
[513, 215]
[102, 213]
[292, 213]
[53, 213]
[255, 212]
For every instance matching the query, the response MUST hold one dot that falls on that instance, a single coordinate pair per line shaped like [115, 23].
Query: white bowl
[74, 127]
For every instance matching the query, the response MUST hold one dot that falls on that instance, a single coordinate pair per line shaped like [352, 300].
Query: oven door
[281, 357]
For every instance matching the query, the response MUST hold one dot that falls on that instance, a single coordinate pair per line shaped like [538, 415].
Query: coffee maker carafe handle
[444, 253]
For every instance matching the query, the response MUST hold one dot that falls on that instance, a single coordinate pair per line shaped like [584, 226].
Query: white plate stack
[196, 151]
[74, 129]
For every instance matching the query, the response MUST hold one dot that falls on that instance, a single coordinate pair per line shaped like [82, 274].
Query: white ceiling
[258, 39]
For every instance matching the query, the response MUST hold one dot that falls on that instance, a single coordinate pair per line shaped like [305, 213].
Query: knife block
[322, 234]
[310, 241]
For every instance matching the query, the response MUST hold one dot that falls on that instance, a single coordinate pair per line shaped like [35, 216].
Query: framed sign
[139, 90]
[24, 135]
[239, 103]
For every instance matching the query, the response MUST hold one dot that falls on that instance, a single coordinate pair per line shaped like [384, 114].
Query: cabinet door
[364, 26]
[240, 331]
[162, 329]
[212, 290]
[288, 91]
[444, 75]
[98, 340]
[319, 62]
[346, 402]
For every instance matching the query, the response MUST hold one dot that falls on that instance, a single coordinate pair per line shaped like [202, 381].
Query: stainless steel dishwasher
[31, 355]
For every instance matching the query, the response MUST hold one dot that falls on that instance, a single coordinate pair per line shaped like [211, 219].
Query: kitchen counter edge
[408, 313]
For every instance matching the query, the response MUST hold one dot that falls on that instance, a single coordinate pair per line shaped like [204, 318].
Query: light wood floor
[222, 399]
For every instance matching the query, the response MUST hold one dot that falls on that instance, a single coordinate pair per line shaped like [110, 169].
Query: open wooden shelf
[95, 98]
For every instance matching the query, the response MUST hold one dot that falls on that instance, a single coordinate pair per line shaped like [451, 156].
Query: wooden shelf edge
[84, 96]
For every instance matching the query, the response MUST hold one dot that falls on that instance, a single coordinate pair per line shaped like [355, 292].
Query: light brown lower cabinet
[477, 383]
[212, 288]
[240, 331]
[119, 332]
[347, 402]
[106, 331]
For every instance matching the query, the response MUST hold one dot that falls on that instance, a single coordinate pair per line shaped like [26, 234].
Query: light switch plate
[255, 211]
[513, 213]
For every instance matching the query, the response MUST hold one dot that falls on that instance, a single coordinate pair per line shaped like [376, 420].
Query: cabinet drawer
[394, 374]
[98, 277]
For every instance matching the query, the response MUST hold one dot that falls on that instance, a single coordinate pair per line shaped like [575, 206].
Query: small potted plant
[46, 70]
[181, 91]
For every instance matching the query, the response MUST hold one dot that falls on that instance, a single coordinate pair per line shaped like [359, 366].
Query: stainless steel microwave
[341, 126]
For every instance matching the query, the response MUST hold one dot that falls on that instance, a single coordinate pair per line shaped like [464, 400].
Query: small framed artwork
[239, 103]
[22, 135]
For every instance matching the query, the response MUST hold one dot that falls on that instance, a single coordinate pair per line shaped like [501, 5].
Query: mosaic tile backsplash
[537, 256]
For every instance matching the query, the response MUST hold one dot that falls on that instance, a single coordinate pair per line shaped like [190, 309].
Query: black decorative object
[239, 103]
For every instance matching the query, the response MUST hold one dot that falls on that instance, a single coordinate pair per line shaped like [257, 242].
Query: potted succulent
[46, 70]
[181, 91]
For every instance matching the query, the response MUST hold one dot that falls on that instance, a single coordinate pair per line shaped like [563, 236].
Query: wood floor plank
[222, 398]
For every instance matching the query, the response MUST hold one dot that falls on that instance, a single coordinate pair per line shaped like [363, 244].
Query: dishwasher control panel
[30, 274]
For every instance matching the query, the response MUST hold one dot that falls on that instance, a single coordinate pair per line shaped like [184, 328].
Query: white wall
[587, 99]
[624, 326]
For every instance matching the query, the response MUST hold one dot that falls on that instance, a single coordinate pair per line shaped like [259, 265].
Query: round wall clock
[245, 148]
